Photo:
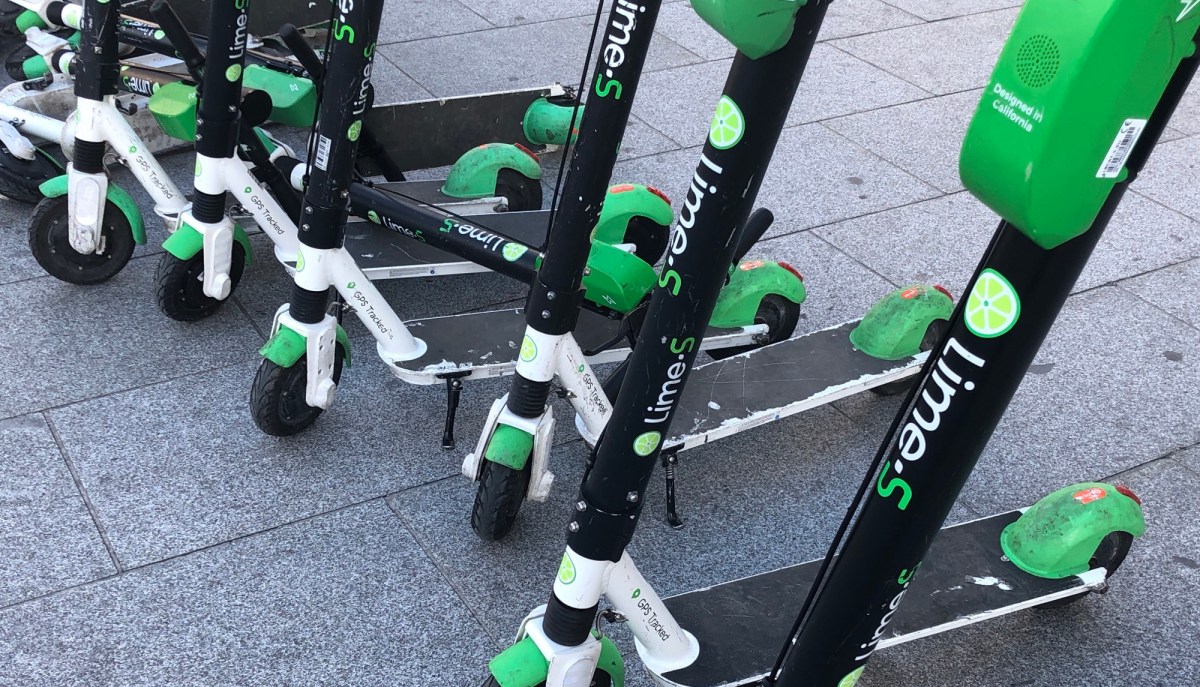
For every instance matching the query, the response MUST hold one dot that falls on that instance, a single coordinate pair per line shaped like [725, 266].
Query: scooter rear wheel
[650, 237]
[523, 193]
[20, 178]
[179, 285]
[933, 334]
[50, 242]
[781, 317]
[277, 399]
[1109, 555]
[498, 499]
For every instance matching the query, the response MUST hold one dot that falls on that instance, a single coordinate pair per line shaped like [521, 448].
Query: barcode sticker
[1122, 146]
[323, 145]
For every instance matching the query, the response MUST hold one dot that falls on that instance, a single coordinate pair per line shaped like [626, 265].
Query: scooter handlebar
[307, 57]
[178, 34]
[751, 231]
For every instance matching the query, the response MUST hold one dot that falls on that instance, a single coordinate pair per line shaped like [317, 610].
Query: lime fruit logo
[528, 350]
[249, 190]
[373, 216]
[133, 149]
[728, 125]
[566, 571]
[300, 262]
[355, 130]
[513, 252]
[234, 72]
[645, 444]
[637, 593]
[993, 306]
[851, 679]
[159, 35]
[351, 285]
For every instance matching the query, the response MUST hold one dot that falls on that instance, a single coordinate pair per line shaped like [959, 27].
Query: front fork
[318, 270]
[661, 643]
[87, 181]
[542, 358]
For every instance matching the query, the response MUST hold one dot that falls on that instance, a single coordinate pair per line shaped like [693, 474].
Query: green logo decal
[993, 306]
[300, 262]
[159, 35]
[249, 190]
[852, 679]
[234, 72]
[132, 149]
[646, 443]
[728, 125]
[528, 350]
[351, 285]
[636, 593]
[566, 571]
[355, 131]
[373, 216]
[198, 168]
[513, 252]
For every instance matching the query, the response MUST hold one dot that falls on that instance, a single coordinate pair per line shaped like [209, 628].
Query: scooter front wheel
[50, 242]
[277, 399]
[498, 499]
[20, 179]
[179, 285]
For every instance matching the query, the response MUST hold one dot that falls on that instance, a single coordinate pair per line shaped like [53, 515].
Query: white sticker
[1122, 146]
[323, 145]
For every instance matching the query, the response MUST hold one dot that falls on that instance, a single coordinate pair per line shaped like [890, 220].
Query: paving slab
[914, 136]
[1161, 180]
[522, 56]
[82, 342]
[510, 12]
[1187, 115]
[1112, 387]
[1143, 626]
[47, 539]
[951, 233]
[840, 179]
[1171, 289]
[417, 19]
[392, 85]
[1190, 459]
[680, 101]
[346, 598]
[933, 10]
[955, 55]
[166, 483]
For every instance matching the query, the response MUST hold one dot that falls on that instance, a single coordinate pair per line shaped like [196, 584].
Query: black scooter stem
[885, 545]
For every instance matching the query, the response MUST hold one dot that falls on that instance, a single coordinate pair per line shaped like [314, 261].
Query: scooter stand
[670, 459]
[454, 387]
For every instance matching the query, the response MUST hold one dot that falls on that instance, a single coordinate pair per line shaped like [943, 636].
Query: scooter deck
[385, 254]
[742, 625]
[486, 344]
[730, 396]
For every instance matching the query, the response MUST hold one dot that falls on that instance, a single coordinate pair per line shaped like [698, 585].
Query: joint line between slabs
[83, 494]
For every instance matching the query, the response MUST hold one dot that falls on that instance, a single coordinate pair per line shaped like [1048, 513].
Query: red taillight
[528, 152]
[909, 294]
[1129, 492]
[659, 193]
[793, 270]
[944, 290]
[621, 188]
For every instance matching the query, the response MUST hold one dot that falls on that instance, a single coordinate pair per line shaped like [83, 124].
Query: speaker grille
[1037, 61]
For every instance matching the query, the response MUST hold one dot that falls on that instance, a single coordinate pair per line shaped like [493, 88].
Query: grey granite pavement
[149, 534]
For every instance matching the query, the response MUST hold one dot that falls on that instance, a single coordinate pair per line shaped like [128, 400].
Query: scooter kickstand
[669, 460]
[454, 388]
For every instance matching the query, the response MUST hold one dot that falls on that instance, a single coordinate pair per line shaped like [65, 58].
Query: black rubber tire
[49, 240]
[277, 401]
[781, 317]
[179, 286]
[600, 679]
[498, 499]
[523, 193]
[650, 237]
[1109, 555]
[933, 334]
[20, 178]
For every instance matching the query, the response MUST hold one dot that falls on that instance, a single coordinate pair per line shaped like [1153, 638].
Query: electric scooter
[510, 463]
[1080, 96]
[302, 360]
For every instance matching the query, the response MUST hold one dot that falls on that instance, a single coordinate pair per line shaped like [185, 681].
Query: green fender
[186, 242]
[623, 203]
[617, 279]
[174, 108]
[474, 174]
[523, 665]
[547, 123]
[28, 20]
[748, 284]
[510, 447]
[293, 98]
[57, 187]
[755, 27]
[893, 328]
[1058, 535]
[286, 346]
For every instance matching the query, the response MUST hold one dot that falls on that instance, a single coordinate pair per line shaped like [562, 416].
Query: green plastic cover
[755, 27]
[1068, 100]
